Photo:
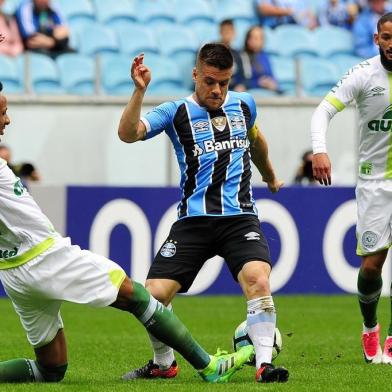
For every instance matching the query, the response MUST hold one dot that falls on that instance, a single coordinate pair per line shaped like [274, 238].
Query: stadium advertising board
[310, 230]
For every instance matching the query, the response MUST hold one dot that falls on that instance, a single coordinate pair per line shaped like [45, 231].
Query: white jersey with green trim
[25, 231]
[369, 84]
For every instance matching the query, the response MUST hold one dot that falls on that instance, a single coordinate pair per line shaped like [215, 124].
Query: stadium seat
[241, 28]
[155, 12]
[187, 12]
[44, 75]
[332, 40]
[109, 12]
[186, 62]
[236, 10]
[294, 40]
[81, 10]
[77, 73]
[269, 41]
[345, 61]
[283, 69]
[205, 31]
[171, 91]
[115, 77]
[9, 7]
[95, 39]
[165, 73]
[9, 75]
[134, 38]
[175, 39]
[318, 76]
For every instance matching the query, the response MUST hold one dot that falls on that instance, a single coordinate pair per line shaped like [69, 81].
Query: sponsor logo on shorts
[8, 253]
[252, 236]
[369, 239]
[169, 249]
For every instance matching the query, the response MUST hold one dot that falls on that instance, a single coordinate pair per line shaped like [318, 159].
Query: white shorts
[62, 273]
[374, 225]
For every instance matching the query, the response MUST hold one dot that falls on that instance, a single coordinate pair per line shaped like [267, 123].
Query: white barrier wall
[75, 141]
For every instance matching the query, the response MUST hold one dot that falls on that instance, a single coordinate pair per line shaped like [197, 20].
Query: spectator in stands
[337, 13]
[227, 36]
[5, 153]
[366, 25]
[273, 13]
[12, 45]
[42, 27]
[304, 175]
[257, 67]
[28, 173]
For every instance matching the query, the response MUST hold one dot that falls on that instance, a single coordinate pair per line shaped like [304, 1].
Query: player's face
[4, 119]
[227, 34]
[256, 40]
[384, 40]
[211, 85]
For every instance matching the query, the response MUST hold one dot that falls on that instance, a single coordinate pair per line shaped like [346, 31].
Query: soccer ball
[241, 339]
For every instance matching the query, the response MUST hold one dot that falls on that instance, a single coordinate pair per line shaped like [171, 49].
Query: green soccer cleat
[223, 365]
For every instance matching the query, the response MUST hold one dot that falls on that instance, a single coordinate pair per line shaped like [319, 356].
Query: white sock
[261, 322]
[163, 354]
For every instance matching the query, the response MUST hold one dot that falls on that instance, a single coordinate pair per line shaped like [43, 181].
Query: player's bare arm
[259, 156]
[131, 129]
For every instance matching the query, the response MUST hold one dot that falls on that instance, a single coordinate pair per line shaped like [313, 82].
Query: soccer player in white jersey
[39, 270]
[369, 84]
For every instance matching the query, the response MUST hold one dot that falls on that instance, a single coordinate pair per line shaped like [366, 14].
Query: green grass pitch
[321, 346]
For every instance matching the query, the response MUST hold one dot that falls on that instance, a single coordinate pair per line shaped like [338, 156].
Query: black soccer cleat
[269, 373]
[152, 370]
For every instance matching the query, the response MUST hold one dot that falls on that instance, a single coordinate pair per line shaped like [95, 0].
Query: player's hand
[275, 185]
[322, 168]
[140, 74]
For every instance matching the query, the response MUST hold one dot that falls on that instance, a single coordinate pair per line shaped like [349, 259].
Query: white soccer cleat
[372, 351]
[387, 354]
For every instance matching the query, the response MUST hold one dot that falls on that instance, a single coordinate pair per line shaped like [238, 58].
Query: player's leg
[246, 252]
[369, 291]
[166, 327]
[174, 268]
[374, 237]
[42, 322]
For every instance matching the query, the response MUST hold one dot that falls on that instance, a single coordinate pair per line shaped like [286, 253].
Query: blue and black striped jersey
[212, 149]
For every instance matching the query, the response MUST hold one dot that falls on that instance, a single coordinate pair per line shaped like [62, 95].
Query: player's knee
[52, 374]
[371, 271]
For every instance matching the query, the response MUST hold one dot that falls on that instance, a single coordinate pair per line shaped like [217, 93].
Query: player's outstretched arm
[131, 129]
[259, 156]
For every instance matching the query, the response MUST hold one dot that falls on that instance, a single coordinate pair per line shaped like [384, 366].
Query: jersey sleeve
[159, 119]
[346, 89]
[250, 102]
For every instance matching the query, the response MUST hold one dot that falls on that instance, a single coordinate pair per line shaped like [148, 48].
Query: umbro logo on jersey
[219, 123]
[200, 126]
[376, 91]
[212, 145]
[252, 236]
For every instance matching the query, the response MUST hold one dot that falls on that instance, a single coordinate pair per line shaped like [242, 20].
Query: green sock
[166, 327]
[369, 291]
[16, 370]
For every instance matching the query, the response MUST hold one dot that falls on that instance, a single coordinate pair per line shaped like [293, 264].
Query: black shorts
[192, 241]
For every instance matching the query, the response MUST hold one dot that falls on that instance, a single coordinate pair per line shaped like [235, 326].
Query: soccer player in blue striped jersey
[215, 137]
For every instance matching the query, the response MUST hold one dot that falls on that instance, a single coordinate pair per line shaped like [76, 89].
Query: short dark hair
[385, 18]
[217, 55]
[226, 22]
